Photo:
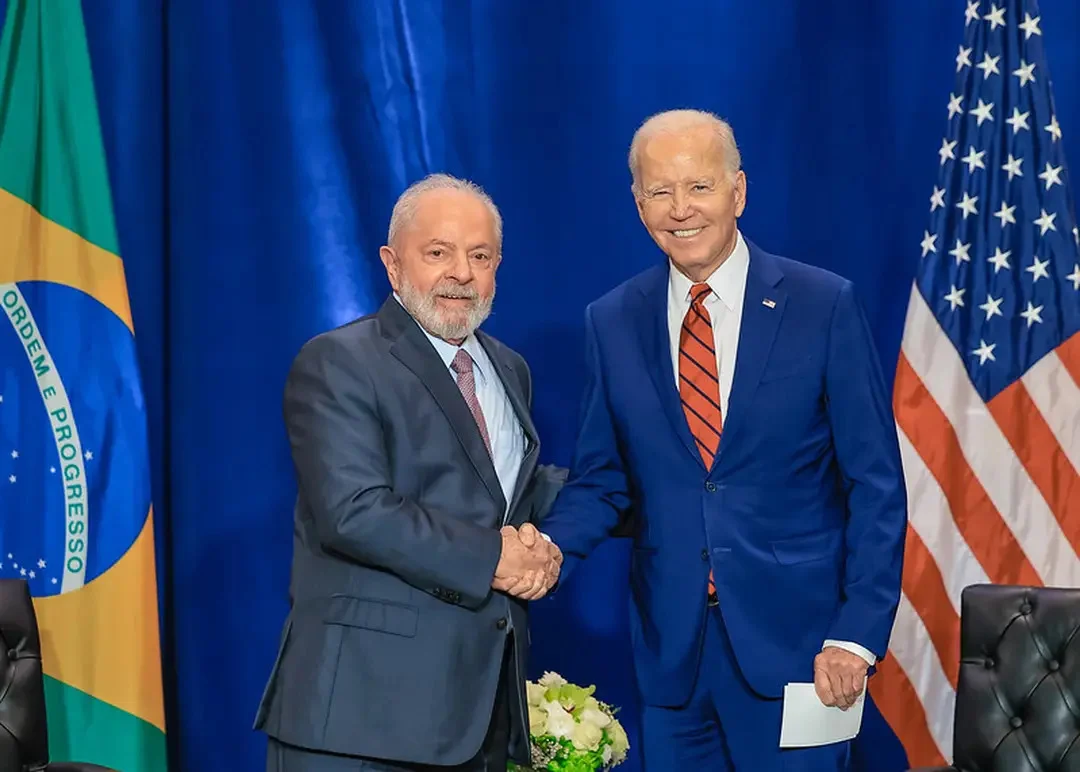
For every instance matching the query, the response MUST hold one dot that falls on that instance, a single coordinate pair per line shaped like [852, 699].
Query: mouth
[686, 233]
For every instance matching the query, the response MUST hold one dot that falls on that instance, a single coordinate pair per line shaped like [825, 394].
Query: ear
[392, 264]
[639, 202]
[740, 193]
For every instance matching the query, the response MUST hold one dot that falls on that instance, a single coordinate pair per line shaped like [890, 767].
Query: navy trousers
[726, 725]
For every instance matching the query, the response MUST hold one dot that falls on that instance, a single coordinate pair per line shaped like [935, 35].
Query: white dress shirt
[504, 430]
[724, 304]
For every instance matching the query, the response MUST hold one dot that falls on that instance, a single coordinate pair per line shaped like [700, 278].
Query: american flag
[986, 396]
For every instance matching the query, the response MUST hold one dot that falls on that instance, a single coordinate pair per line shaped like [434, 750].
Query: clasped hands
[529, 565]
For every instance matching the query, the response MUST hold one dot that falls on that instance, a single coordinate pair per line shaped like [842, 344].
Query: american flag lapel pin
[768, 303]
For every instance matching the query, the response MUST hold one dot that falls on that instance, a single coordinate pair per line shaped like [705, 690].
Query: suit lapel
[763, 307]
[655, 336]
[514, 392]
[414, 350]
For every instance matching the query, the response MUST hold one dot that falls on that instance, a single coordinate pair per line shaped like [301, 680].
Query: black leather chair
[24, 739]
[1018, 698]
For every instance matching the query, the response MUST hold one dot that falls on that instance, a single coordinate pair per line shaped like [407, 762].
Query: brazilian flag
[76, 521]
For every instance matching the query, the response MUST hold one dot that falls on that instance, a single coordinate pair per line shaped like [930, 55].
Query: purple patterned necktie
[466, 381]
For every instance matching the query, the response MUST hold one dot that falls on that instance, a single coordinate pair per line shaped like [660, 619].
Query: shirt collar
[727, 281]
[447, 351]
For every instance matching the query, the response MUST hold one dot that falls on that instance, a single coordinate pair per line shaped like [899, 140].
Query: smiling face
[688, 199]
[442, 264]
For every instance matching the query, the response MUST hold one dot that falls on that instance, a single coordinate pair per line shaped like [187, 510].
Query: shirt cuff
[854, 648]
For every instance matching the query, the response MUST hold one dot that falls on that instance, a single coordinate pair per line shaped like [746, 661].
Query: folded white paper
[807, 722]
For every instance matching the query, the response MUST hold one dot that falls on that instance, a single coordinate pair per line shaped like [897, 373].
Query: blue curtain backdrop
[256, 148]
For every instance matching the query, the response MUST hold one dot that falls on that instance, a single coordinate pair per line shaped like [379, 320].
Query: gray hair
[674, 121]
[405, 208]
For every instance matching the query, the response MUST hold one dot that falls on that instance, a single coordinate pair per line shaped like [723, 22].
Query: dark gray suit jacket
[394, 642]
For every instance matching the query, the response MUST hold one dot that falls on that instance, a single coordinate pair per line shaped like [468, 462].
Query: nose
[460, 269]
[680, 205]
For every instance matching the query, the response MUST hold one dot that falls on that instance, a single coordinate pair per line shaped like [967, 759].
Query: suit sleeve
[336, 435]
[868, 453]
[596, 494]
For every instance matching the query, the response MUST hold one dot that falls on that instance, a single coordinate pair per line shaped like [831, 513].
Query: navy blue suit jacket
[802, 516]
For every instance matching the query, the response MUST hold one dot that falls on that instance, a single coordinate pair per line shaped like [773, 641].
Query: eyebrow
[442, 243]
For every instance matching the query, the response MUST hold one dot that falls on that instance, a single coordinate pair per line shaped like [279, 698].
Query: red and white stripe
[993, 496]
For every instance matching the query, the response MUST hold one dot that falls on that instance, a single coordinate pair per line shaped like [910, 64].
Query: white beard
[444, 324]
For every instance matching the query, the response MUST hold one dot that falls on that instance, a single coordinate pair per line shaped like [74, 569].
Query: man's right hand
[529, 565]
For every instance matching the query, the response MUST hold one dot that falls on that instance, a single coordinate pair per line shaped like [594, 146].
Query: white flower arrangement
[571, 730]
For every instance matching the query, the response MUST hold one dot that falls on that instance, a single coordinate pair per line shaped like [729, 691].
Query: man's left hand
[839, 676]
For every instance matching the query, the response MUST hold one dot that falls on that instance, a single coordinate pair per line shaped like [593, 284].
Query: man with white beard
[415, 552]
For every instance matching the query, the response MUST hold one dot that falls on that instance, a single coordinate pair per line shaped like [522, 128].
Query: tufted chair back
[1018, 697]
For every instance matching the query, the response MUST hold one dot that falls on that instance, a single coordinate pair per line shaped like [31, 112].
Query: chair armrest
[75, 766]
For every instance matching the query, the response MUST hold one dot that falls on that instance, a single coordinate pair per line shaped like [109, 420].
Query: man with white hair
[736, 412]
[414, 551]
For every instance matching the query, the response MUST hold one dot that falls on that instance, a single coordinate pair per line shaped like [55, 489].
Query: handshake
[529, 565]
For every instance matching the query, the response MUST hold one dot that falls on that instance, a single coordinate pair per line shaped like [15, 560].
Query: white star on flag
[1052, 175]
[1074, 277]
[960, 252]
[32, 574]
[1031, 314]
[996, 17]
[1046, 222]
[1038, 269]
[999, 259]
[985, 351]
[1054, 129]
[1026, 73]
[989, 65]
[41, 563]
[89, 455]
[14, 454]
[972, 12]
[967, 204]
[955, 103]
[992, 306]
[946, 151]
[974, 160]
[1030, 26]
[1006, 214]
[955, 297]
[963, 59]
[1012, 166]
[983, 112]
[928, 243]
[1018, 121]
[937, 198]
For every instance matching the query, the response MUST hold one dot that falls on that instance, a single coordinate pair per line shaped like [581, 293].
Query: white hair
[675, 121]
[405, 207]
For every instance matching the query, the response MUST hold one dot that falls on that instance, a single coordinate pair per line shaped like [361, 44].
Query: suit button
[437, 592]
[710, 486]
[705, 555]
[501, 624]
